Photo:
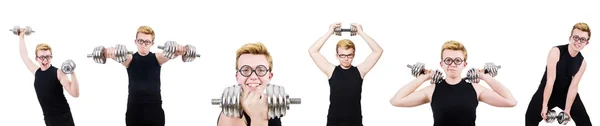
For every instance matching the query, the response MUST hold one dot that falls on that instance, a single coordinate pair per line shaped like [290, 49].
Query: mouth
[578, 46]
[253, 86]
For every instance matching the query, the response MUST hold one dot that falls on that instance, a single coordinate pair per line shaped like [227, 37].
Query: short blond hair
[345, 44]
[257, 48]
[145, 30]
[454, 45]
[42, 47]
[583, 27]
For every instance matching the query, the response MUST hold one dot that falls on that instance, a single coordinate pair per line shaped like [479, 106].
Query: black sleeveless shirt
[566, 67]
[454, 105]
[49, 92]
[272, 122]
[345, 87]
[144, 79]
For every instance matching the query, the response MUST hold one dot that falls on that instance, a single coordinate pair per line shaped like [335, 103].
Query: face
[44, 58]
[579, 39]
[253, 72]
[143, 43]
[345, 56]
[453, 63]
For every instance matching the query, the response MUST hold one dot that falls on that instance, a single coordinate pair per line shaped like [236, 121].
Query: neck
[453, 80]
[344, 67]
[572, 51]
[44, 68]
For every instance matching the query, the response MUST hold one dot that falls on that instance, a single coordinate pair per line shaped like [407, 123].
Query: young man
[453, 100]
[345, 80]
[253, 71]
[558, 88]
[49, 83]
[144, 104]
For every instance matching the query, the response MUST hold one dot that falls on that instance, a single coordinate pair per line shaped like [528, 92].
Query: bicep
[551, 62]
[416, 98]
[30, 65]
[160, 57]
[579, 74]
[64, 80]
[369, 63]
[128, 61]
[492, 98]
[323, 64]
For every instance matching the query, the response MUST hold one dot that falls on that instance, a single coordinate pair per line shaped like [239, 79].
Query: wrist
[259, 122]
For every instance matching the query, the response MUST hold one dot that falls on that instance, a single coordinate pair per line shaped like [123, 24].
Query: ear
[236, 76]
[270, 75]
[465, 64]
[441, 64]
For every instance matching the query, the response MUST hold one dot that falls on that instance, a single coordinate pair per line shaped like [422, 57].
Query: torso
[49, 92]
[144, 79]
[345, 86]
[566, 67]
[454, 105]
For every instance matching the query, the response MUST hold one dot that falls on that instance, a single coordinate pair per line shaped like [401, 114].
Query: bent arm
[72, 86]
[407, 97]
[229, 121]
[553, 58]
[372, 59]
[499, 96]
[572, 93]
[318, 58]
[25, 56]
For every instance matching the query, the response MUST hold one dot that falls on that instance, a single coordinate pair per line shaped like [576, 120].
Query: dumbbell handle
[91, 55]
[163, 47]
[292, 101]
[345, 30]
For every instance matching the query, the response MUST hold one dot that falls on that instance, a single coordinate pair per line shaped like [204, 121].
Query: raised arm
[408, 97]
[25, 55]
[109, 52]
[553, 58]
[499, 96]
[180, 50]
[572, 93]
[72, 86]
[321, 62]
[372, 59]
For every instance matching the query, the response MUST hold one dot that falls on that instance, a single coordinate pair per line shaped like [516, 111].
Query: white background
[516, 35]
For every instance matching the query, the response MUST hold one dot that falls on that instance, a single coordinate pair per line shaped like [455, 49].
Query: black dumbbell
[68, 66]
[121, 54]
[277, 100]
[418, 69]
[338, 31]
[563, 118]
[17, 30]
[551, 116]
[169, 49]
[489, 68]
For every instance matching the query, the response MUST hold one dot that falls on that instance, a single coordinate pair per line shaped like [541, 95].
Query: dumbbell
[278, 101]
[418, 69]
[68, 66]
[121, 53]
[551, 116]
[563, 118]
[338, 31]
[170, 47]
[489, 68]
[17, 29]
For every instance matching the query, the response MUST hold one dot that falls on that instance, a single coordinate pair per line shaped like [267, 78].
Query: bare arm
[161, 58]
[324, 65]
[229, 121]
[72, 86]
[25, 56]
[553, 58]
[572, 93]
[499, 96]
[372, 59]
[408, 97]
[179, 50]
[109, 52]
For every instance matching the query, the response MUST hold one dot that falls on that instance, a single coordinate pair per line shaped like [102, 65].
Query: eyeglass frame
[253, 70]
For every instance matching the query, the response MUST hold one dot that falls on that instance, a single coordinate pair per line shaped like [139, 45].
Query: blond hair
[583, 27]
[256, 49]
[145, 30]
[454, 45]
[42, 47]
[345, 44]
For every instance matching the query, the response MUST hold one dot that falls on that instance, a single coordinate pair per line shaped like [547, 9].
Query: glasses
[449, 61]
[44, 57]
[143, 42]
[580, 40]
[260, 70]
[346, 55]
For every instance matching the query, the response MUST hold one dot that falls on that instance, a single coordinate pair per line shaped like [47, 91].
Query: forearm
[499, 88]
[372, 43]
[23, 48]
[259, 123]
[74, 84]
[547, 92]
[571, 94]
[409, 88]
[316, 47]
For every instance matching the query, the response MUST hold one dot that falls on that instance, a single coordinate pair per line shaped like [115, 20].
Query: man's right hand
[333, 26]
[544, 112]
[110, 53]
[427, 76]
[255, 105]
[22, 32]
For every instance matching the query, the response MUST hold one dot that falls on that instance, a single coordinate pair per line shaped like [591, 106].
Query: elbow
[396, 103]
[75, 95]
[512, 103]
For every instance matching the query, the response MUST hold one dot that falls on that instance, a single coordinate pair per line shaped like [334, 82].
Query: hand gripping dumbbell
[418, 69]
[338, 31]
[17, 30]
[551, 116]
[169, 49]
[278, 101]
[489, 68]
[563, 118]
[68, 66]
[121, 53]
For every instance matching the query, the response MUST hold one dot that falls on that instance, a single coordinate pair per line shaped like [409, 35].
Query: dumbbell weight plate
[551, 116]
[190, 54]
[68, 66]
